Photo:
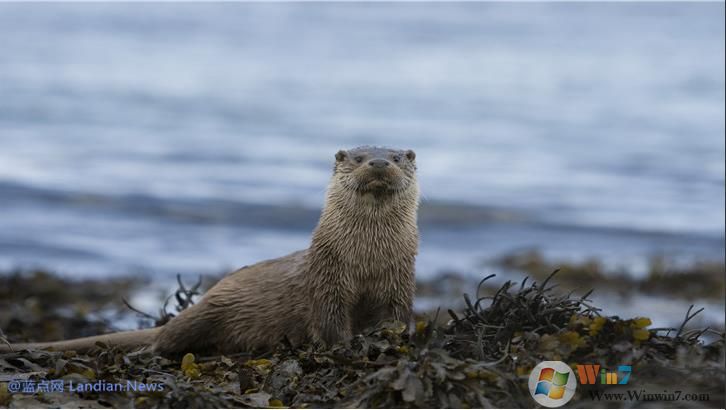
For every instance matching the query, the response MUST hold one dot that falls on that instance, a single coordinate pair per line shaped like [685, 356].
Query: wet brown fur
[358, 270]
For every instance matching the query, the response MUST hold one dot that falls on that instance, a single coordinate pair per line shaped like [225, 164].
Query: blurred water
[188, 138]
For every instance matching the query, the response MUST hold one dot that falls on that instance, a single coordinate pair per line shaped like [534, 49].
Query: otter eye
[358, 159]
[396, 158]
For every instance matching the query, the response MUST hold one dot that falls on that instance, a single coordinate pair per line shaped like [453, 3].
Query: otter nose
[378, 163]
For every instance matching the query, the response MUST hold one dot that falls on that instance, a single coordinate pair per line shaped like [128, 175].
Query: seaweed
[184, 298]
[700, 279]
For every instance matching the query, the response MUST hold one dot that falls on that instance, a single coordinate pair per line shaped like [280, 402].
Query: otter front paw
[401, 313]
[332, 332]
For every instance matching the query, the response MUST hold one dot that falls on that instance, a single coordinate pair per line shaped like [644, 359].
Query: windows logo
[552, 384]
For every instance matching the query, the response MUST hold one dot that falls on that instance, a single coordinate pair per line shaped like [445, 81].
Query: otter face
[376, 170]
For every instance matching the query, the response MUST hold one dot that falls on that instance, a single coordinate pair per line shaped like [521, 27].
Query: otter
[357, 271]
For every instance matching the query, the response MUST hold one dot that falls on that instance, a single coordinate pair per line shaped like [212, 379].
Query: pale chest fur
[375, 249]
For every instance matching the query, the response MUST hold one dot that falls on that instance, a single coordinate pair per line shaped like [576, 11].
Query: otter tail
[124, 340]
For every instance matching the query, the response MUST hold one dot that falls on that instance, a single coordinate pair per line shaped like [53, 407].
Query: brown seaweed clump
[40, 306]
[699, 280]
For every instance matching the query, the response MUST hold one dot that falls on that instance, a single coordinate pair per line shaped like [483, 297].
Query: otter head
[378, 171]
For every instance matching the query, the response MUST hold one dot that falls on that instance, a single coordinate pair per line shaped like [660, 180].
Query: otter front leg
[331, 317]
[400, 310]
[400, 303]
[401, 313]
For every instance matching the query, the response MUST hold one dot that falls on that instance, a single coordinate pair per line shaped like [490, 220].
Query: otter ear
[341, 155]
[410, 155]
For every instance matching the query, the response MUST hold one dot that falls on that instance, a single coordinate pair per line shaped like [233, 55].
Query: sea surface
[159, 139]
